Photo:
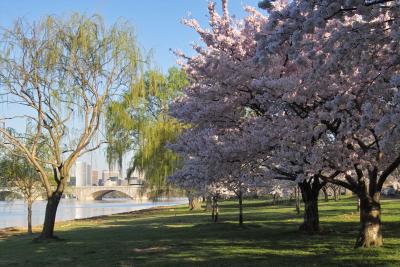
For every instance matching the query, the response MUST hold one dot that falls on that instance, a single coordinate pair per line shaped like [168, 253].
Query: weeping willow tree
[153, 158]
[139, 122]
[55, 70]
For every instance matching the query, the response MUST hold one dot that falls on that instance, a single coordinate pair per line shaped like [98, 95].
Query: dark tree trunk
[297, 194]
[208, 203]
[191, 205]
[240, 195]
[335, 194]
[325, 191]
[50, 216]
[370, 217]
[29, 216]
[309, 192]
[215, 211]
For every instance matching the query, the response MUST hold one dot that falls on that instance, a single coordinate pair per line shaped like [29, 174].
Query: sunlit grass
[178, 237]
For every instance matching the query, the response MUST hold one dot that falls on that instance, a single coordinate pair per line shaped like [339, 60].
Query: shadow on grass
[177, 237]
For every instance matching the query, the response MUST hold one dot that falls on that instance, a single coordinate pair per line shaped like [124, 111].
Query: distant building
[72, 176]
[80, 173]
[95, 177]
[83, 174]
[72, 181]
[136, 178]
[88, 174]
[110, 178]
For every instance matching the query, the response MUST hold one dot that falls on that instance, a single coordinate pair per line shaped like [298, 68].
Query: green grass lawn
[178, 237]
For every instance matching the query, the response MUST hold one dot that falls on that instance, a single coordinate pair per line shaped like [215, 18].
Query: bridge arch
[97, 192]
[98, 195]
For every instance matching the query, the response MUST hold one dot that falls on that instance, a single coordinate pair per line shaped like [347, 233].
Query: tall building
[88, 175]
[83, 174]
[80, 173]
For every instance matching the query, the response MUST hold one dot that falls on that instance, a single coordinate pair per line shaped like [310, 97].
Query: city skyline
[83, 174]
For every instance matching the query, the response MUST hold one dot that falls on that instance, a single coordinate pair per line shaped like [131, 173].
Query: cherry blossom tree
[217, 103]
[314, 102]
[238, 104]
[349, 96]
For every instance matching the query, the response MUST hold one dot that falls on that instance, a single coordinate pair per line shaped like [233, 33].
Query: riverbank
[14, 213]
[16, 231]
[174, 236]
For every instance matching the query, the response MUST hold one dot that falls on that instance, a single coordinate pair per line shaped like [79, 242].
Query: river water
[14, 213]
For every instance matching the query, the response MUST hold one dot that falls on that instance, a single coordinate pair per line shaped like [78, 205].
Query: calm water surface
[14, 213]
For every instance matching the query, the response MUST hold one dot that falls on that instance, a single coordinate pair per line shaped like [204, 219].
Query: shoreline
[18, 231]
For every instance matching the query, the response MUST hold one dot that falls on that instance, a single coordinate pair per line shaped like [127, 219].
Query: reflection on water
[14, 213]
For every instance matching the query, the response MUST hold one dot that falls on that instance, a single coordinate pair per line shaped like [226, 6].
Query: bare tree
[61, 74]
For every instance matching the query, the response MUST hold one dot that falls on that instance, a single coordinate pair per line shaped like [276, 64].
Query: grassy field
[178, 237]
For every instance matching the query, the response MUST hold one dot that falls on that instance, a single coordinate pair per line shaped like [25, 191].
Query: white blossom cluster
[311, 90]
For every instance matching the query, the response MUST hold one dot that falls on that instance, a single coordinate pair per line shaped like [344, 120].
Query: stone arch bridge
[90, 192]
[97, 192]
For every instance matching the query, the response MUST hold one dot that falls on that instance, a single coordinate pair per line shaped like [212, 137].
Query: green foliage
[14, 167]
[19, 175]
[71, 55]
[153, 158]
[17, 171]
[59, 69]
[139, 121]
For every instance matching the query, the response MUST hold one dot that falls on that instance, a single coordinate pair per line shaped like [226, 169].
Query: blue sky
[157, 22]
[157, 25]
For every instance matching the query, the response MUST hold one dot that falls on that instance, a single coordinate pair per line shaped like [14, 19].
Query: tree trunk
[309, 192]
[370, 217]
[208, 203]
[50, 216]
[194, 203]
[240, 208]
[29, 202]
[190, 199]
[191, 204]
[215, 209]
[297, 194]
[311, 217]
[358, 204]
[325, 191]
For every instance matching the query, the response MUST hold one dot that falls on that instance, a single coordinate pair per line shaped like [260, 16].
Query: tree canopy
[141, 123]
[307, 93]
[56, 70]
